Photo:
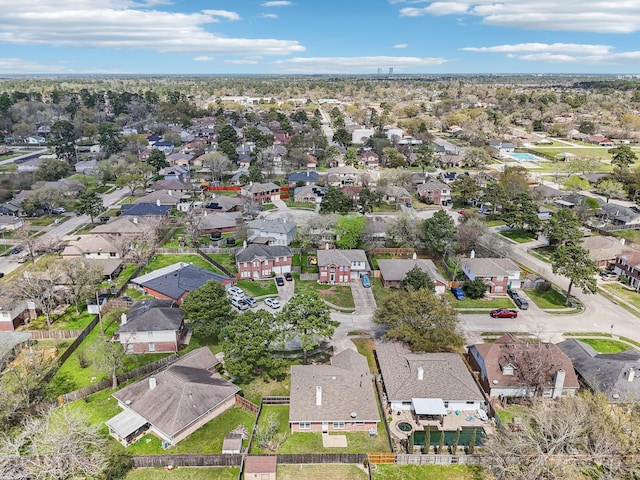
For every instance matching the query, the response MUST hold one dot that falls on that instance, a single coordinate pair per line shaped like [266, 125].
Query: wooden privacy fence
[382, 458]
[55, 334]
[187, 460]
[274, 400]
[246, 404]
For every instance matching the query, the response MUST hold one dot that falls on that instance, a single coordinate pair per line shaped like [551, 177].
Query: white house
[272, 232]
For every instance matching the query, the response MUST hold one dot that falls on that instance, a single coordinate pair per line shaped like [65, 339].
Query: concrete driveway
[362, 298]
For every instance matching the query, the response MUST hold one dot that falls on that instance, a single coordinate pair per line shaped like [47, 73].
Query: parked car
[272, 302]
[236, 292]
[279, 281]
[503, 313]
[239, 303]
[288, 277]
[513, 294]
[104, 219]
[250, 301]
[408, 205]
[458, 293]
[521, 303]
[608, 275]
[58, 211]
[366, 282]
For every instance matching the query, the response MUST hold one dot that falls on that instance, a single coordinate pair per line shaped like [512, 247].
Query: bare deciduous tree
[219, 164]
[267, 434]
[83, 279]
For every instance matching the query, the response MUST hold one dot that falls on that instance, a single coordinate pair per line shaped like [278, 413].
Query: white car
[235, 292]
[239, 303]
[272, 302]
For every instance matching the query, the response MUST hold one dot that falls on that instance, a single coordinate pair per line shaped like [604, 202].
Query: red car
[503, 313]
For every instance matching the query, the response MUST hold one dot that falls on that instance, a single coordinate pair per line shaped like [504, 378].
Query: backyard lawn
[430, 472]
[518, 235]
[321, 472]
[69, 320]
[185, 473]
[124, 275]
[365, 347]
[549, 299]
[227, 260]
[164, 260]
[631, 235]
[336, 294]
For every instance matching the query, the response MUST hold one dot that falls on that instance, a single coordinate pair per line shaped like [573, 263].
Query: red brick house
[261, 192]
[369, 159]
[434, 191]
[499, 274]
[629, 264]
[262, 261]
[340, 266]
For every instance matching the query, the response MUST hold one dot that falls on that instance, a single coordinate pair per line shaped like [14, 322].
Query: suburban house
[503, 148]
[175, 172]
[309, 194]
[261, 192]
[393, 271]
[166, 147]
[614, 374]
[619, 215]
[262, 261]
[302, 178]
[341, 266]
[10, 222]
[151, 326]
[334, 398]
[604, 250]
[397, 195]
[85, 167]
[345, 176]
[174, 402]
[426, 384]
[434, 191]
[128, 226]
[163, 197]
[13, 313]
[600, 140]
[369, 159]
[145, 210]
[361, 134]
[172, 184]
[628, 264]
[512, 367]
[219, 222]
[175, 281]
[499, 274]
[225, 204]
[273, 232]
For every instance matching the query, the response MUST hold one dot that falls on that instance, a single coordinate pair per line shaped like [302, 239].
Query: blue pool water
[524, 157]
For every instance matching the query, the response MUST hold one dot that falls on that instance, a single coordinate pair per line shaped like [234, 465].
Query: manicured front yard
[430, 472]
[517, 235]
[185, 473]
[602, 345]
[258, 288]
[549, 299]
[628, 295]
[338, 295]
[321, 472]
[486, 302]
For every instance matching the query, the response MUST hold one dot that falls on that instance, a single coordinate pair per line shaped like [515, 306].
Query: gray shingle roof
[445, 374]
[260, 187]
[185, 391]
[346, 388]
[152, 316]
[144, 209]
[397, 269]
[340, 257]
[263, 252]
[490, 267]
[271, 226]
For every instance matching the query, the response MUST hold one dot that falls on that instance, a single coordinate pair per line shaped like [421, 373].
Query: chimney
[135, 220]
[158, 202]
[318, 395]
[326, 246]
[170, 193]
[123, 319]
[632, 374]
[472, 254]
[152, 383]
[559, 383]
[420, 373]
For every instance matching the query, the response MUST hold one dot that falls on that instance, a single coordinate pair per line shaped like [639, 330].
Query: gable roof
[432, 184]
[152, 316]
[126, 225]
[220, 220]
[303, 177]
[340, 257]
[272, 226]
[144, 209]
[606, 372]
[260, 187]
[90, 243]
[171, 184]
[603, 248]
[223, 203]
[184, 392]
[396, 269]
[166, 197]
[345, 388]
[253, 250]
[175, 280]
[445, 375]
[490, 267]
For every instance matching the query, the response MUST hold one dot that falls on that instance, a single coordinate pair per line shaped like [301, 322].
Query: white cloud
[279, 3]
[355, 64]
[124, 24]
[204, 58]
[602, 16]
[400, 45]
[269, 15]
[562, 53]
[19, 65]
[242, 61]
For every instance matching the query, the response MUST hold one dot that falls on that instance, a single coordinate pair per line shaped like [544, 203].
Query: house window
[338, 425]
[304, 425]
[359, 422]
[446, 404]
[152, 347]
[499, 288]
[113, 254]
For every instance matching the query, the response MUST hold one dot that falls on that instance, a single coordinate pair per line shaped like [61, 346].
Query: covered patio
[127, 427]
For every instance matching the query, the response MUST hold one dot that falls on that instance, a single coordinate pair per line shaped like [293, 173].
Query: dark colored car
[503, 313]
[513, 294]
[521, 303]
[458, 293]
[16, 250]
[279, 281]
[288, 277]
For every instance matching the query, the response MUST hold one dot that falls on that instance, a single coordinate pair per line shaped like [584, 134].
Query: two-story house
[340, 266]
[369, 159]
[261, 192]
[273, 232]
[346, 176]
[499, 274]
[628, 264]
[434, 191]
[262, 261]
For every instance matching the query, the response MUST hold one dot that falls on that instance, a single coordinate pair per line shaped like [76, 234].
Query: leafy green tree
[393, 158]
[90, 203]
[465, 188]
[424, 158]
[52, 169]
[477, 157]
[349, 231]
[622, 156]
[342, 137]
[367, 199]
[255, 174]
[351, 156]
[248, 341]
[335, 201]
[563, 228]
[157, 159]
[420, 318]
[474, 288]
[417, 279]
[439, 232]
[308, 319]
[576, 184]
[110, 138]
[522, 212]
[610, 189]
[63, 140]
[207, 309]
[573, 262]
[514, 181]
[133, 181]
[402, 231]
[494, 194]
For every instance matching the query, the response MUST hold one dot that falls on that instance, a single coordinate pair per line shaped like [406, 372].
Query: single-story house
[304, 178]
[499, 274]
[262, 261]
[173, 185]
[427, 384]
[222, 203]
[163, 197]
[394, 194]
[512, 367]
[174, 402]
[333, 398]
[309, 194]
[619, 214]
[145, 210]
[174, 282]
[10, 222]
[341, 266]
[393, 272]
[151, 326]
[127, 226]
[617, 375]
[279, 231]
[13, 313]
[91, 246]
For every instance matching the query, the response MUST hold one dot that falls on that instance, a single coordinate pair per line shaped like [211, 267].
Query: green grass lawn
[227, 260]
[430, 472]
[630, 296]
[311, 442]
[517, 235]
[259, 288]
[46, 220]
[486, 302]
[336, 294]
[69, 320]
[631, 235]
[164, 260]
[185, 473]
[365, 347]
[601, 345]
[305, 267]
[379, 292]
[321, 472]
[268, 206]
[549, 299]
[124, 275]
[306, 206]
[385, 207]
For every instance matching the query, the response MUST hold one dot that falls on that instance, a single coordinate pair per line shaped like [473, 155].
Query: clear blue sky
[319, 36]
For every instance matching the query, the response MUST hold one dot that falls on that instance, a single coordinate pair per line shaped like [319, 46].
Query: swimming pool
[524, 157]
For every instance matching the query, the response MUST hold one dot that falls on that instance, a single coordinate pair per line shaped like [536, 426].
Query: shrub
[474, 288]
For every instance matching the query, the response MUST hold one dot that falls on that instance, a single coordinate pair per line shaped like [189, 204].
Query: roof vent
[495, 382]
[354, 414]
[128, 402]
